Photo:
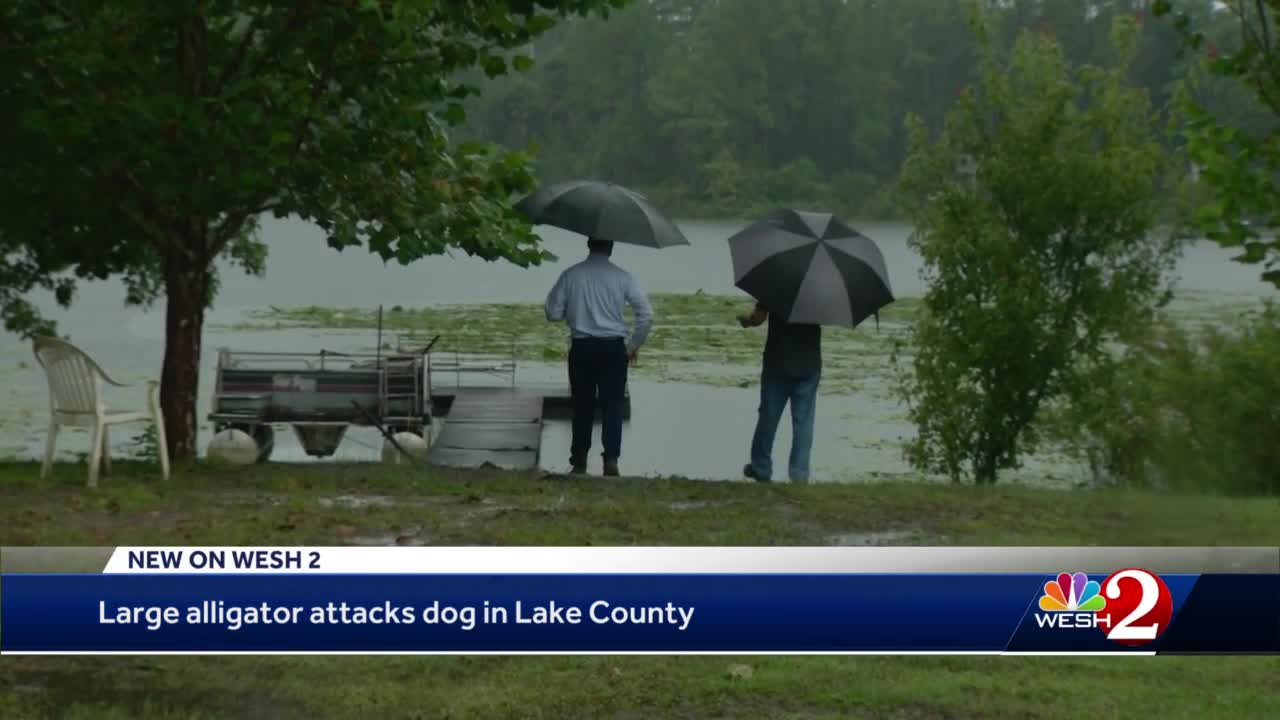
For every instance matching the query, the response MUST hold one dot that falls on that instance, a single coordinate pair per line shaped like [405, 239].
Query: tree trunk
[187, 287]
[985, 466]
[985, 474]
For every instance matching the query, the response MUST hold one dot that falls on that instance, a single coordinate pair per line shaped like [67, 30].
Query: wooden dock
[500, 426]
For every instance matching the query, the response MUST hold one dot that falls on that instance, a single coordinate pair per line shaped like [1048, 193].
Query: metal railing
[461, 364]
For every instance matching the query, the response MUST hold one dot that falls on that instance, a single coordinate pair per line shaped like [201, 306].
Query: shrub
[1037, 263]
[1188, 410]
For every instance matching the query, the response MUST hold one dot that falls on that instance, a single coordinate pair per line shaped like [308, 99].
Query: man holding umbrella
[805, 270]
[592, 297]
[792, 367]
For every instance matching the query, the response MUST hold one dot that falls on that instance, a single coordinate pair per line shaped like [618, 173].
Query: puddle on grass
[409, 537]
[250, 497]
[685, 505]
[365, 502]
[487, 507]
[877, 538]
[414, 536]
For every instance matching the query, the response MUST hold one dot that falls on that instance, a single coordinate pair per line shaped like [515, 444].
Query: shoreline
[698, 362]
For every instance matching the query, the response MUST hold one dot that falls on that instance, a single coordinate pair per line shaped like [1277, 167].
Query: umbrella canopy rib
[810, 268]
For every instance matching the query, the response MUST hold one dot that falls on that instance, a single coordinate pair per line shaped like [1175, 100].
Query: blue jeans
[597, 381]
[776, 390]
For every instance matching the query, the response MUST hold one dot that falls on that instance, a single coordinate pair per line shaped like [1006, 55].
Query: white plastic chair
[75, 400]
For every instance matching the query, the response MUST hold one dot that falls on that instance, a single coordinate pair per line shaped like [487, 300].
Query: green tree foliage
[1239, 163]
[726, 108]
[144, 138]
[1035, 214]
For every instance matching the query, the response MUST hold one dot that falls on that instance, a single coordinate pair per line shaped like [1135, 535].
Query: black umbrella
[602, 210]
[811, 268]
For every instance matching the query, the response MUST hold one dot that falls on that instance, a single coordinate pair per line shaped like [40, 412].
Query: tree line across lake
[724, 108]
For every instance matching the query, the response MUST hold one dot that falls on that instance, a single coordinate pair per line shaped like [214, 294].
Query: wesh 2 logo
[1132, 606]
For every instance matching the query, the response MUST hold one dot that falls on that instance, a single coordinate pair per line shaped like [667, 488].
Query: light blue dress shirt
[592, 296]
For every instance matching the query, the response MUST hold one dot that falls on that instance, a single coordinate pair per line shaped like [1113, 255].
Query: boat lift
[321, 394]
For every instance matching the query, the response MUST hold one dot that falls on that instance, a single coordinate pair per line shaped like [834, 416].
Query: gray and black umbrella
[811, 268]
[602, 210]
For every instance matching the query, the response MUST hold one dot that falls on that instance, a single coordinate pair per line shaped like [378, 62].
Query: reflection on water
[676, 429]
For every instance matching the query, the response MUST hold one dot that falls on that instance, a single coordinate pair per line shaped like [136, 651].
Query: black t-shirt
[794, 350]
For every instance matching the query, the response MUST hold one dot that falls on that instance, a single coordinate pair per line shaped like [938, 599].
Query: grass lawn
[328, 505]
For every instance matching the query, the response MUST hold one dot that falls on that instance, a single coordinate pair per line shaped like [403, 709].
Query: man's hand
[631, 356]
[754, 318]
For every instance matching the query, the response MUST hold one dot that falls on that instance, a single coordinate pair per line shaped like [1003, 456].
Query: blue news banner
[603, 613]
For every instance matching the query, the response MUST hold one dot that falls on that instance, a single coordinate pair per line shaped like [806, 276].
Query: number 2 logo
[1139, 607]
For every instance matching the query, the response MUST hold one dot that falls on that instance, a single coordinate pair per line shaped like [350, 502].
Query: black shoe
[750, 472]
[611, 468]
[577, 468]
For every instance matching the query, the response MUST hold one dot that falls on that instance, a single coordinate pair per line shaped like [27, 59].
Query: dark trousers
[597, 379]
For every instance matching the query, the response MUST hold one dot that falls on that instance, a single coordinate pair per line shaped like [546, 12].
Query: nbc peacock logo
[1072, 601]
[1072, 593]
[1137, 607]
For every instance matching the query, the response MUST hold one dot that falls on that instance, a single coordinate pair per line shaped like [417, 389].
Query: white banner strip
[1142, 653]
[685, 560]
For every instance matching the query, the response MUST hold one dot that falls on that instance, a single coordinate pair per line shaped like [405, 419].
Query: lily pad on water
[696, 337]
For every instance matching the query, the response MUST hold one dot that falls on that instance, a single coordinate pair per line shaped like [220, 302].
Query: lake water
[676, 429]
